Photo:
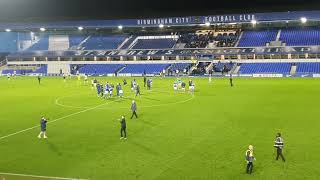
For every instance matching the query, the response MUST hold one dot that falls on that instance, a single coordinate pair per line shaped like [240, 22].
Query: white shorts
[120, 91]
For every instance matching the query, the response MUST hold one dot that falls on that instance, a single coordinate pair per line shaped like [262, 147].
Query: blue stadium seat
[75, 40]
[154, 44]
[180, 66]
[257, 38]
[99, 69]
[300, 37]
[147, 68]
[305, 68]
[265, 68]
[103, 42]
[41, 45]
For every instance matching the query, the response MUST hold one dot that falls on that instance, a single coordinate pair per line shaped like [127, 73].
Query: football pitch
[177, 136]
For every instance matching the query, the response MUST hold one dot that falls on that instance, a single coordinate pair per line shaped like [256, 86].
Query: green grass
[176, 136]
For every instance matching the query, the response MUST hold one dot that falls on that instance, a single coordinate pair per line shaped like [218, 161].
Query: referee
[278, 144]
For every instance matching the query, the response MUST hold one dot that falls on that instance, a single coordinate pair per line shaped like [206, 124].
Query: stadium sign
[230, 18]
[180, 21]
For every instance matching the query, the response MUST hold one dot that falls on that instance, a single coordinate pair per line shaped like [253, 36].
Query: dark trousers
[134, 113]
[231, 83]
[123, 132]
[279, 153]
[249, 167]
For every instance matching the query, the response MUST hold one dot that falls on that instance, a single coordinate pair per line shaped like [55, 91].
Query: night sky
[49, 10]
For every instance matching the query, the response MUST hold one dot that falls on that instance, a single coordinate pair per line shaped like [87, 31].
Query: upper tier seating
[144, 68]
[154, 43]
[194, 41]
[103, 42]
[8, 41]
[300, 37]
[75, 40]
[41, 45]
[265, 68]
[257, 38]
[308, 68]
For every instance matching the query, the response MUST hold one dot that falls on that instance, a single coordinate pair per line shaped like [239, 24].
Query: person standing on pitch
[43, 126]
[249, 158]
[278, 143]
[231, 80]
[138, 90]
[134, 109]
[144, 80]
[39, 80]
[123, 132]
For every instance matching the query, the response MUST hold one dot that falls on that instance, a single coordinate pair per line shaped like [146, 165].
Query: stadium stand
[41, 45]
[42, 70]
[128, 42]
[144, 68]
[26, 70]
[154, 43]
[219, 67]
[180, 66]
[265, 68]
[99, 69]
[96, 42]
[305, 68]
[193, 40]
[75, 40]
[257, 38]
[8, 42]
[300, 37]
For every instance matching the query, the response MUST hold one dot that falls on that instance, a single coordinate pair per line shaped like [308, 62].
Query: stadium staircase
[80, 46]
[58, 42]
[120, 69]
[54, 68]
[209, 67]
[192, 68]
[236, 69]
[293, 69]
[240, 36]
[179, 45]
[278, 35]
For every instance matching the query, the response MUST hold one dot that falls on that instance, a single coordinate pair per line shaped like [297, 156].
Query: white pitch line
[44, 177]
[28, 129]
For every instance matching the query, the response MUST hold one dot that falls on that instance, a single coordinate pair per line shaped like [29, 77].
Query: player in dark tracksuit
[39, 79]
[144, 80]
[43, 126]
[138, 90]
[134, 109]
[123, 132]
[278, 144]
[231, 80]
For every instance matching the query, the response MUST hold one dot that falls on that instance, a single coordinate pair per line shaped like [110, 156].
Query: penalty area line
[43, 177]
[55, 120]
